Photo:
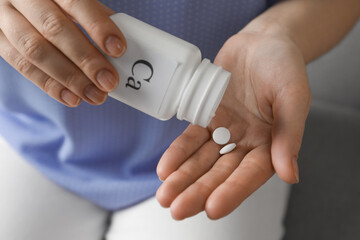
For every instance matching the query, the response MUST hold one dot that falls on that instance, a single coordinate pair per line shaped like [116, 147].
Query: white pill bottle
[162, 75]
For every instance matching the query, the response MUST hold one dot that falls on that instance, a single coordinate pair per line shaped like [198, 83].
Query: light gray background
[326, 202]
[335, 77]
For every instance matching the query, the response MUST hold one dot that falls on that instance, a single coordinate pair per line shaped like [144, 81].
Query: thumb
[106, 9]
[290, 109]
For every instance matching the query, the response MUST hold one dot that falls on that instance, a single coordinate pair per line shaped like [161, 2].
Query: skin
[264, 107]
[270, 90]
[46, 37]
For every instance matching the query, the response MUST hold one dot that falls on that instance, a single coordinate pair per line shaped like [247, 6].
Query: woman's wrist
[267, 28]
[313, 26]
[266, 25]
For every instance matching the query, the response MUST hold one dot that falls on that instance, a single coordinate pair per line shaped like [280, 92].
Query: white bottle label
[144, 77]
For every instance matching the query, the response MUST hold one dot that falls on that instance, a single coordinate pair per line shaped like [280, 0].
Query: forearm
[315, 26]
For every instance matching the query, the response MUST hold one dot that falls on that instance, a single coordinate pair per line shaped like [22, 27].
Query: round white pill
[228, 148]
[221, 135]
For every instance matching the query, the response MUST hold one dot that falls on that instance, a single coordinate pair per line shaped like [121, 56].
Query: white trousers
[34, 208]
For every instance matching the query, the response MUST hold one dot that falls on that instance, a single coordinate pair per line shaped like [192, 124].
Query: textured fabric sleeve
[272, 2]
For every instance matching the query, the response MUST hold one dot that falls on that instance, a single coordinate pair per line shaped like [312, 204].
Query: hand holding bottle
[264, 107]
[40, 39]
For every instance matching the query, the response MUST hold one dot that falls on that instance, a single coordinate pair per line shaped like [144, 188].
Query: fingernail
[106, 79]
[114, 45]
[70, 98]
[296, 168]
[94, 94]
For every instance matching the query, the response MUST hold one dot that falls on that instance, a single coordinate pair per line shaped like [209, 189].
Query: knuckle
[253, 165]
[185, 173]
[71, 78]
[52, 24]
[86, 62]
[204, 187]
[97, 27]
[178, 149]
[224, 167]
[69, 4]
[23, 65]
[48, 84]
[32, 47]
[237, 184]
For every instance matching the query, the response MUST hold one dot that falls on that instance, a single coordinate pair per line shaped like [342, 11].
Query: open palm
[265, 107]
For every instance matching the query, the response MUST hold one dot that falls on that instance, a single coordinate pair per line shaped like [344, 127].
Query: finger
[39, 78]
[108, 11]
[93, 16]
[254, 170]
[290, 111]
[194, 167]
[104, 8]
[63, 33]
[192, 201]
[181, 149]
[46, 57]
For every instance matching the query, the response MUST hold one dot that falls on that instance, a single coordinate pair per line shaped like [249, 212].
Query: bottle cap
[203, 94]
